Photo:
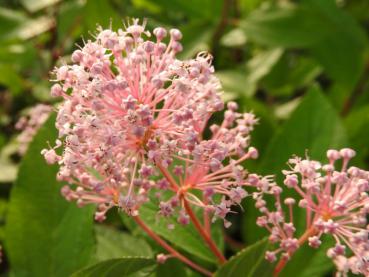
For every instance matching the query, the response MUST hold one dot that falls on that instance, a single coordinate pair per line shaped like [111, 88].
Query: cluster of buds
[336, 203]
[132, 121]
[29, 125]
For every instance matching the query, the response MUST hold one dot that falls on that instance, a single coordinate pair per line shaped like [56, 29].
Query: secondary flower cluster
[30, 123]
[132, 121]
[336, 203]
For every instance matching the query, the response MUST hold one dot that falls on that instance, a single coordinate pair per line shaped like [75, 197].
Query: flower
[131, 112]
[335, 201]
[29, 125]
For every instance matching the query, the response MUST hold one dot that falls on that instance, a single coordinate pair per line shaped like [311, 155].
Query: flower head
[131, 112]
[336, 203]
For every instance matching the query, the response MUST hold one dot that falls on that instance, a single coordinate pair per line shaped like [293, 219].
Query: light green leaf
[122, 267]
[248, 262]
[112, 244]
[234, 38]
[35, 5]
[244, 81]
[45, 235]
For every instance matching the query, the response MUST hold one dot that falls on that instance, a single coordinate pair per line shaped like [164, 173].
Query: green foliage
[124, 267]
[301, 66]
[43, 231]
[112, 244]
[248, 262]
[331, 35]
[184, 237]
[312, 128]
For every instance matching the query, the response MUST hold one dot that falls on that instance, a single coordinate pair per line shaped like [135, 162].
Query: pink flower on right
[336, 202]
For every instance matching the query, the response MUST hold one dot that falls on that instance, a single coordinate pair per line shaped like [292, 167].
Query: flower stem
[282, 263]
[170, 249]
[195, 221]
[203, 233]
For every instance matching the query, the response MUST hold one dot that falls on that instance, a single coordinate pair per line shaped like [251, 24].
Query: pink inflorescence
[336, 203]
[29, 125]
[132, 121]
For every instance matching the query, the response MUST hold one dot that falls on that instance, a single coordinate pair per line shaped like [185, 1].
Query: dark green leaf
[308, 262]
[313, 126]
[332, 36]
[248, 262]
[45, 235]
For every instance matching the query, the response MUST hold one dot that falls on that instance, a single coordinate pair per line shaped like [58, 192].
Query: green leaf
[112, 243]
[45, 235]
[313, 126]
[184, 237]
[35, 5]
[10, 78]
[196, 38]
[244, 81]
[171, 267]
[100, 13]
[357, 123]
[307, 261]
[332, 36]
[17, 25]
[248, 262]
[292, 72]
[208, 10]
[122, 267]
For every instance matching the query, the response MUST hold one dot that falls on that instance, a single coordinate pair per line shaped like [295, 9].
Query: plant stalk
[170, 249]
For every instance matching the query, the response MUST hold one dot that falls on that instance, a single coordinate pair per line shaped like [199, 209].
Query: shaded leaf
[248, 262]
[332, 36]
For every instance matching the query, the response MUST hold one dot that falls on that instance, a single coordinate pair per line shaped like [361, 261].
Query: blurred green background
[301, 66]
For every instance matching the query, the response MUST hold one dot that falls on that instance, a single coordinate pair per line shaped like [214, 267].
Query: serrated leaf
[122, 267]
[248, 262]
[45, 235]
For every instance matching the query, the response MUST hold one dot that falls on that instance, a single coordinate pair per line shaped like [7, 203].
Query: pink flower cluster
[30, 123]
[132, 122]
[336, 203]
